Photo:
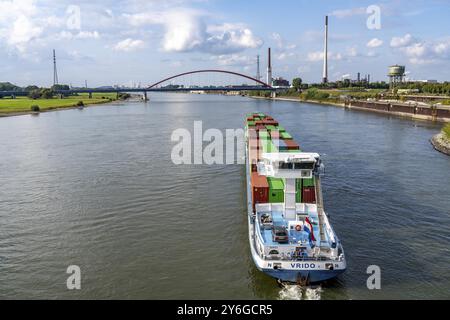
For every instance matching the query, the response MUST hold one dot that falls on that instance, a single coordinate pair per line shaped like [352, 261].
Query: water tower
[396, 75]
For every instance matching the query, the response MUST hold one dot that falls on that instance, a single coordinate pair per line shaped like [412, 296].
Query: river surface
[97, 188]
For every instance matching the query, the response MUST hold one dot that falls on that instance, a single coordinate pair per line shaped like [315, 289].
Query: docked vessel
[291, 238]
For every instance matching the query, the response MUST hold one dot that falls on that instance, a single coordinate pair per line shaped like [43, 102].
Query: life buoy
[298, 227]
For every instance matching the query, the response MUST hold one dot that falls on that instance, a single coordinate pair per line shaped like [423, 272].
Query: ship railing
[273, 258]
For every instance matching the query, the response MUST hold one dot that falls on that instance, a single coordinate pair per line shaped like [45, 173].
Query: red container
[291, 145]
[308, 195]
[260, 189]
[252, 134]
[253, 158]
[275, 135]
[270, 122]
[253, 144]
[260, 127]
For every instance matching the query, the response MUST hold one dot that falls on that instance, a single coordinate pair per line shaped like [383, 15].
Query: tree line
[34, 92]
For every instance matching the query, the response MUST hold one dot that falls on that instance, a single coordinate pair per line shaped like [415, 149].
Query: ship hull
[301, 276]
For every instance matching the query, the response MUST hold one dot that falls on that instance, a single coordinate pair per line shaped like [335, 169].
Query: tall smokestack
[269, 69]
[325, 54]
[55, 72]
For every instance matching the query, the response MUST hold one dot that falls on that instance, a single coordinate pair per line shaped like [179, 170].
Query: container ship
[291, 238]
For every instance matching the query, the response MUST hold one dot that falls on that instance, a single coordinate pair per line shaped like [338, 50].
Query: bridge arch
[211, 71]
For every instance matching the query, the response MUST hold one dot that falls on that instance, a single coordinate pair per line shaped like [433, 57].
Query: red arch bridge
[156, 87]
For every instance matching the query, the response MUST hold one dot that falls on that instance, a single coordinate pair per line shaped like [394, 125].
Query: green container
[298, 190]
[264, 145]
[251, 123]
[298, 196]
[264, 135]
[261, 114]
[276, 190]
[268, 146]
[308, 182]
[281, 129]
[271, 127]
[285, 135]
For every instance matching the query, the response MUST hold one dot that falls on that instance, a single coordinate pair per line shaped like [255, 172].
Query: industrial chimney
[325, 54]
[269, 69]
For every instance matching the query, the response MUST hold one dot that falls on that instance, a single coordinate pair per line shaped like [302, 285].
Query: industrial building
[280, 83]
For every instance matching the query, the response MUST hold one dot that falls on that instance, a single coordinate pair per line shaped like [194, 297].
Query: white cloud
[422, 52]
[398, 42]
[352, 52]
[284, 55]
[278, 39]
[17, 23]
[282, 47]
[236, 60]
[345, 13]
[318, 56]
[313, 35]
[374, 43]
[23, 30]
[229, 38]
[187, 30]
[315, 56]
[129, 44]
[87, 35]
[442, 48]
[67, 35]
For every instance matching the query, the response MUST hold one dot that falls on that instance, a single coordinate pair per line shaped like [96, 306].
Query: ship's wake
[296, 292]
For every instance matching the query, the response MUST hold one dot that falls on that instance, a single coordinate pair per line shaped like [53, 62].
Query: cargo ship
[291, 238]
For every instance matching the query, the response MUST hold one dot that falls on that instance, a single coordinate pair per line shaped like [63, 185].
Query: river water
[97, 188]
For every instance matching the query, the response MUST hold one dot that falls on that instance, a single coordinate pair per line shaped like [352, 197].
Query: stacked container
[260, 189]
[291, 144]
[285, 135]
[309, 195]
[276, 190]
[266, 135]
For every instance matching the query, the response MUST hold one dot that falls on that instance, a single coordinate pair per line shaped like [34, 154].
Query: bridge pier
[117, 95]
[273, 94]
[144, 96]
[90, 95]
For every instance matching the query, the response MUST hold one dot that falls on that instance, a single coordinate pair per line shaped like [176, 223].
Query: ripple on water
[296, 292]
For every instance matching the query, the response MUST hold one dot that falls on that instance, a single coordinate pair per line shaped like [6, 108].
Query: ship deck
[277, 217]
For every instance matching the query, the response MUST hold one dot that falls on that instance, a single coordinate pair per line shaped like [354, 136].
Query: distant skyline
[111, 42]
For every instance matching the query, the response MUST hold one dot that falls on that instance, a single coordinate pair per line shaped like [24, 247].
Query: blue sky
[130, 41]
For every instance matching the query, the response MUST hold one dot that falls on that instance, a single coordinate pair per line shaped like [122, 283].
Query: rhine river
[97, 188]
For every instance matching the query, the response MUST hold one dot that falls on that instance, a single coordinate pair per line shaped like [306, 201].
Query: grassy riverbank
[446, 131]
[23, 104]
[299, 99]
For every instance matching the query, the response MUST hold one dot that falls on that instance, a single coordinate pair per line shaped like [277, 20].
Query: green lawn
[23, 104]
